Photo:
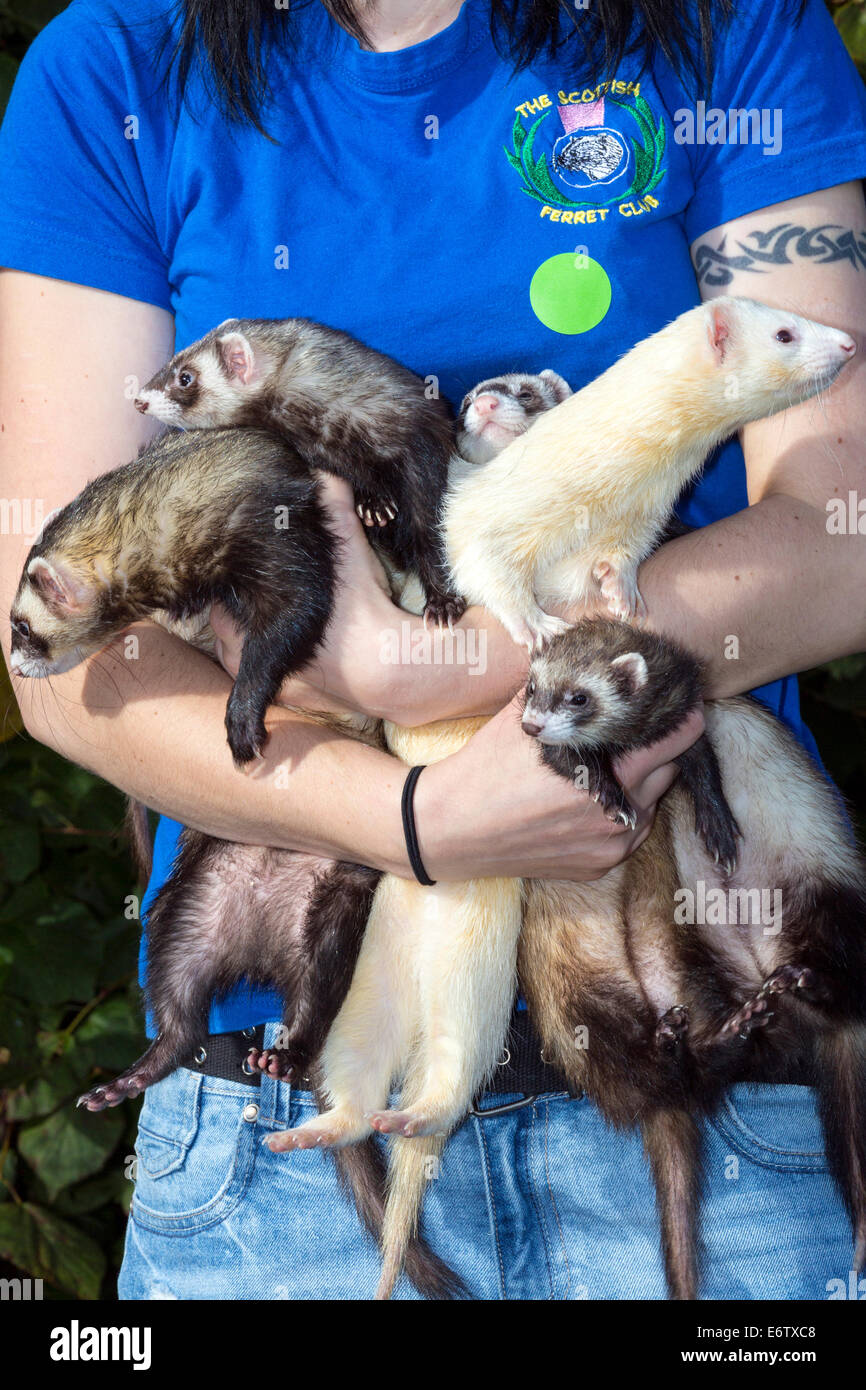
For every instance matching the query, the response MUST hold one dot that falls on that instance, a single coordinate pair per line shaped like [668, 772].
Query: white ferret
[572, 508]
[434, 983]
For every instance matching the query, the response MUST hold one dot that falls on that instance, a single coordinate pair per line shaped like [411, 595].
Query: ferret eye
[21, 627]
[526, 395]
[530, 689]
[574, 697]
[186, 379]
[784, 335]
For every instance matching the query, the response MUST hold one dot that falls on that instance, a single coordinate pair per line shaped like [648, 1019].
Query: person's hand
[347, 672]
[493, 809]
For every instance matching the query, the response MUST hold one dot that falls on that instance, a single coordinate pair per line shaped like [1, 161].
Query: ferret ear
[46, 523]
[633, 666]
[718, 328]
[58, 586]
[557, 383]
[237, 357]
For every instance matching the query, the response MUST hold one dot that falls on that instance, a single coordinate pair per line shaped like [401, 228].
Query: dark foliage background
[68, 935]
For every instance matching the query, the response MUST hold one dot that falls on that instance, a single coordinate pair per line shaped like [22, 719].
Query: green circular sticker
[570, 293]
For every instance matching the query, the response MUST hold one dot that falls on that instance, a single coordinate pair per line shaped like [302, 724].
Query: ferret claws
[672, 1027]
[620, 591]
[796, 979]
[444, 610]
[408, 1123]
[112, 1093]
[376, 513]
[276, 1061]
[756, 1012]
[537, 632]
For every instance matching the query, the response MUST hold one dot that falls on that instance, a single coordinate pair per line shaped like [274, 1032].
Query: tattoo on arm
[782, 245]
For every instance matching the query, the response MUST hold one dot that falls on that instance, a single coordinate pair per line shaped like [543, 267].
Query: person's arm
[154, 726]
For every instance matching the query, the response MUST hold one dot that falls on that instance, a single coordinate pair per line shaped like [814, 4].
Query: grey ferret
[345, 408]
[670, 1008]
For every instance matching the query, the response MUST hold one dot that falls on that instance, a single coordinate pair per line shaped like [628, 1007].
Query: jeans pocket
[196, 1151]
[774, 1126]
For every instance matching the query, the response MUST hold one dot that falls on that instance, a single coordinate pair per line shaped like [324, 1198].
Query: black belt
[522, 1069]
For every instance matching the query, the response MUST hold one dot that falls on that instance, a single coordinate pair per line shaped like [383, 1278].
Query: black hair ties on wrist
[408, 811]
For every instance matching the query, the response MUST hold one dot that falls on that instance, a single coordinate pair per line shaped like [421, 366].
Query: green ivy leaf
[69, 1145]
[20, 852]
[851, 23]
[57, 953]
[46, 1247]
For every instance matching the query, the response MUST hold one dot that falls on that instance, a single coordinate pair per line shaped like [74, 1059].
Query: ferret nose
[485, 405]
[141, 405]
[849, 348]
[531, 728]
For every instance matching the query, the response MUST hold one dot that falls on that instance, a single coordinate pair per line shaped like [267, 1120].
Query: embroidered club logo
[606, 150]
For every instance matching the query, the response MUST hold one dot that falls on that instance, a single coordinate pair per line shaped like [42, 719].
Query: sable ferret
[345, 408]
[677, 1010]
[229, 516]
[571, 509]
[195, 520]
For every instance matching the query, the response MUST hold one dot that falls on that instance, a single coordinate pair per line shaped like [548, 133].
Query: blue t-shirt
[429, 201]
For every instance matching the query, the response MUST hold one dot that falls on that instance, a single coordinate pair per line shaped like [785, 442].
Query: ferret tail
[841, 1082]
[412, 1163]
[672, 1140]
[362, 1169]
[138, 833]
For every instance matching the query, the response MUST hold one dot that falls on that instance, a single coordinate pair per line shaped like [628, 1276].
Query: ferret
[568, 511]
[345, 408]
[434, 984]
[652, 1013]
[229, 516]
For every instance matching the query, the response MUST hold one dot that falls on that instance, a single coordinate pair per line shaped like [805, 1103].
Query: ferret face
[500, 409]
[54, 619]
[577, 701]
[792, 356]
[207, 384]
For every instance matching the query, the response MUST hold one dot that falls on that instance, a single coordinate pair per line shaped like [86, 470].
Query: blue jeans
[546, 1202]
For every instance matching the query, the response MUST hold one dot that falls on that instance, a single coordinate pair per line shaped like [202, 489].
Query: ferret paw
[276, 1061]
[409, 1123]
[326, 1131]
[375, 512]
[444, 610]
[247, 735]
[616, 805]
[115, 1092]
[755, 1013]
[538, 632]
[719, 836]
[672, 1027]
[799, 980]
[620, 591]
